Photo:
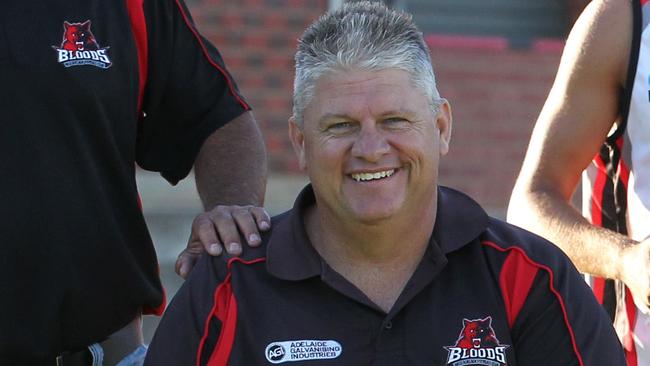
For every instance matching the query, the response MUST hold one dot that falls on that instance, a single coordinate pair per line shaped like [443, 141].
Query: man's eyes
[345, 126]
[395, 122]
[340, 126]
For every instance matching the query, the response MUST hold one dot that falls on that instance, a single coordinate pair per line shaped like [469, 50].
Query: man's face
[370, 142]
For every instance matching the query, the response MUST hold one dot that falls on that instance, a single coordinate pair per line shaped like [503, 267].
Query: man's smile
[364, 177]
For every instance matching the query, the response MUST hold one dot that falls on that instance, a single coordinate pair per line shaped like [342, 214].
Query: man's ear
[298, 142]
[444, 122]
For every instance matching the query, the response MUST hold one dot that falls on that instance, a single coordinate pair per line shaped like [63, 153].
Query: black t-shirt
[76, 260]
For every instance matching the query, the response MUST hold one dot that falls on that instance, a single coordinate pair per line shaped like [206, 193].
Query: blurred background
[494, 60]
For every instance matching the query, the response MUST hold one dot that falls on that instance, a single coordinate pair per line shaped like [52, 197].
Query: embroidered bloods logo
[79, 47]
[477, 345]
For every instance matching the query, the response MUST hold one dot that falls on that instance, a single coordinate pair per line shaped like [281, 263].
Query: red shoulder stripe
[226, 312]
[516, 279]
[206, 324]
[224, 309]
[210, 60]
[525, 257]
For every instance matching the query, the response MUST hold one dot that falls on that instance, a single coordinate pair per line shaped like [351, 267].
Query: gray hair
[364, 36]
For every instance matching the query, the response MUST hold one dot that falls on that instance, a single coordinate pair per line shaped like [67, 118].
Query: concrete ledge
[161, 198]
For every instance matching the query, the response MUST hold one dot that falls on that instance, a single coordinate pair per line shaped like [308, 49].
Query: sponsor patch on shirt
[477, 344]
[302, 350]
[79, 47]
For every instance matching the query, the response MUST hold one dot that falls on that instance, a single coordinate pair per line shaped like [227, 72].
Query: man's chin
[373, 217]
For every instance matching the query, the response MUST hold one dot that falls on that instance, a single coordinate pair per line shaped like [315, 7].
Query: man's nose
[370, 144]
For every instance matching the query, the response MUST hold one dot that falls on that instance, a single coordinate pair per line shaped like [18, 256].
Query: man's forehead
[360, 81]
[353, 91]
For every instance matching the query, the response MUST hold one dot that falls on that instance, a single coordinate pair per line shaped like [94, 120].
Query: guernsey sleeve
[560, 322]
[182, 330]
[188, 93]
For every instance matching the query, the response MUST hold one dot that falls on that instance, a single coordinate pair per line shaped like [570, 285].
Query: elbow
[519, 203]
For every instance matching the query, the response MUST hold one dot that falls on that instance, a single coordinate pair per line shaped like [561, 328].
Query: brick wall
[257, 39]
[496, 92]
[496, 95]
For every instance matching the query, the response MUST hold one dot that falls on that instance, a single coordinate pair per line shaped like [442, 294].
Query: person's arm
[230, 173]
[231, 167]
[196, 116]
[575, 120]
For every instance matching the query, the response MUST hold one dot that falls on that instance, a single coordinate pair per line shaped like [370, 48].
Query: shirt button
[388, 325]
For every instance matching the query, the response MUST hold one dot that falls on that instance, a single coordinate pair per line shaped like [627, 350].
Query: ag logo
[275, 352]
[302, 350]
[477, 344]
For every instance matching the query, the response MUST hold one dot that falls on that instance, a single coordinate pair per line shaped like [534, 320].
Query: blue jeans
[135, 358]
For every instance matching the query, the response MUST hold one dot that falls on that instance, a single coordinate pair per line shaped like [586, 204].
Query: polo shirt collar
[459, 220]
[291, 256]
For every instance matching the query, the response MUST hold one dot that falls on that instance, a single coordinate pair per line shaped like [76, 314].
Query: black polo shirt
[76, 260]
[485, 293]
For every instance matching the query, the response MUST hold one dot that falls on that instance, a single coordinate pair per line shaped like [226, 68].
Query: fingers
[233, 222]
[205, 234]
[188, 257]
[262, 218]
[203, 238]
[224, 222]
[220, 229]
[249, 219]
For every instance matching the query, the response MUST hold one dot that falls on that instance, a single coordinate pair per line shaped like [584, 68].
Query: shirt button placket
[388, 325]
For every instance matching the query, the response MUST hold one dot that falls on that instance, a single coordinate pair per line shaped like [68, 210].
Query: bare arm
[231, 167]
[579, 112]
[230, 173]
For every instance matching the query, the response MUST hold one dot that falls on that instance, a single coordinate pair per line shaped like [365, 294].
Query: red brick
[279, 63]
[255, 40]
[275, 20]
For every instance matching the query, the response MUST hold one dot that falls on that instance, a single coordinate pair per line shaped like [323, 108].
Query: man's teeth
[362, 177]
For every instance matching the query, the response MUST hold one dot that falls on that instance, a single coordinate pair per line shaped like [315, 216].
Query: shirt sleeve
[183, 326]
[188, 94]
[561, 323]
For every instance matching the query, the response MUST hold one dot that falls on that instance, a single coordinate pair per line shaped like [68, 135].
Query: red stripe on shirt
[139, 28]
[516, 279]
[224, 309]
[135, 8]
[551, 287]
[628, 338]
[210, 60]
[226, 312]
[598, 192]
[206, 324]
[598, 289]
[623, 170]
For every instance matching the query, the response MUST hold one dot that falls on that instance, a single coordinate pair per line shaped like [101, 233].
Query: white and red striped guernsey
[616, 187]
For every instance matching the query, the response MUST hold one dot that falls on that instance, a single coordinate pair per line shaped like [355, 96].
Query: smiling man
[377, 264]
